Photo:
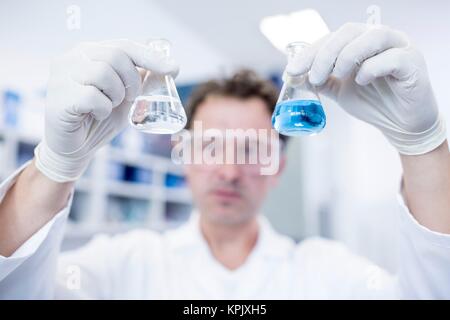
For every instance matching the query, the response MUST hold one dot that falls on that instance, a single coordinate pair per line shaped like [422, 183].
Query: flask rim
[296, 45]
[159, 45]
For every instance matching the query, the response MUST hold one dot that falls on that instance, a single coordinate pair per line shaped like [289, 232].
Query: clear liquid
[299, 117]
[157, 114]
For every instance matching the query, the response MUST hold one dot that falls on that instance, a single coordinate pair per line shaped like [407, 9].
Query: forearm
[426, 188]
[29, 204]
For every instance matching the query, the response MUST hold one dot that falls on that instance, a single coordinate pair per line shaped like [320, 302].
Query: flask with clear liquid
[298, 111]
[158, 109]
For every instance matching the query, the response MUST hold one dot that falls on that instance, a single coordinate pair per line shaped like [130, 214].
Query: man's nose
[229, 172]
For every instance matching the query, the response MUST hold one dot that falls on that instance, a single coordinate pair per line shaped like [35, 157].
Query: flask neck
[294, 79]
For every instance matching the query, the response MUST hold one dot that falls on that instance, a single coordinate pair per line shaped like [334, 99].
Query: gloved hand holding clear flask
[90, 92]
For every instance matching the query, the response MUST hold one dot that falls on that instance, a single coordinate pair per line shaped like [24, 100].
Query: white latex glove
[375, 74]
[90, 91]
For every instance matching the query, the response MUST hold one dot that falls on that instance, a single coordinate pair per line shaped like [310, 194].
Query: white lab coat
[178, 264]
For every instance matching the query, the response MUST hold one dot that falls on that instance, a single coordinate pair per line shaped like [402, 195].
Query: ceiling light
[305, 25]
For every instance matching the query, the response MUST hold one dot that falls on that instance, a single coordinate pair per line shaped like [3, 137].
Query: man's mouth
[226, 194]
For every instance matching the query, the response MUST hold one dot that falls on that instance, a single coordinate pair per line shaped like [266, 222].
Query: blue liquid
[299, 117]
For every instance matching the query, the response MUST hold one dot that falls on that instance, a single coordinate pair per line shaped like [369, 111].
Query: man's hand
[90, 92]
[376, 75]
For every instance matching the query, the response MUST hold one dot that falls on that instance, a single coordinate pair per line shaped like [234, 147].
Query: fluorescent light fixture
[305, 25]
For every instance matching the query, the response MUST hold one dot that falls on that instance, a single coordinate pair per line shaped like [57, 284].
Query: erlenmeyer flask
[298, 110]
[158, 109]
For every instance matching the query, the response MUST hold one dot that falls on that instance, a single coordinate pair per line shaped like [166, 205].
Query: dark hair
[243, 84]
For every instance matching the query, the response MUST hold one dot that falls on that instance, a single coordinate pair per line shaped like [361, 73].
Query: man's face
[230, 194]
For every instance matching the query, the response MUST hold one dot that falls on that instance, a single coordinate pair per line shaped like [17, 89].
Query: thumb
[145, 57]
[119, 115]
[330, 88]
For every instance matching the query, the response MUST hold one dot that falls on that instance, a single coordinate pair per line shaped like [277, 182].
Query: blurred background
[341, 184]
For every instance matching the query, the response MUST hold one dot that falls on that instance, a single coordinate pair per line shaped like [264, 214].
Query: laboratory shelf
[142, 160]
[97, 191]
[141, 191]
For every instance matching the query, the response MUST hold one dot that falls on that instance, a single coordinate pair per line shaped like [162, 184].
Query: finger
[391, 62]
[327, 54]
[142, 56]
[369, 44]
[90, 99]
[122, 65]
[302, 62]
[142, 73]
[100, 75]
[120, 115]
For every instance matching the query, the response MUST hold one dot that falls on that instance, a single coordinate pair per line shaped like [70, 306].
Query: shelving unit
[110, 204]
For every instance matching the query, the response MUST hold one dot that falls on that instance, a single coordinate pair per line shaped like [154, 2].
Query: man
[227, 250]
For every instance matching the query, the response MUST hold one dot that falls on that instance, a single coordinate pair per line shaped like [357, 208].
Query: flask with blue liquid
[298, 111]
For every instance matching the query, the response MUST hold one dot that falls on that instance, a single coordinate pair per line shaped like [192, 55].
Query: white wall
[32, 32]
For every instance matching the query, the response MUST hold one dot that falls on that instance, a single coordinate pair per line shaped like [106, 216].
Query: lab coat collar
[270, 243]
